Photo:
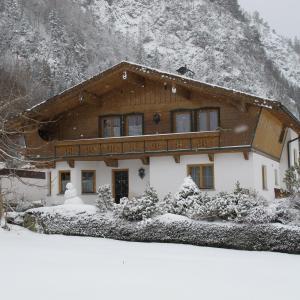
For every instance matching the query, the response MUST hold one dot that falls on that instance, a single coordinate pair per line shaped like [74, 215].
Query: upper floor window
[208, 119]
[182, 121]
[134, 125]
[111, 126]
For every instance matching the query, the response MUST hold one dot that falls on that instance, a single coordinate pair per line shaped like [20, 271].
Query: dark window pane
[88, 180]
[135, 125]
[183, 122]
[208, 177]
[195, 174]
[111, 127]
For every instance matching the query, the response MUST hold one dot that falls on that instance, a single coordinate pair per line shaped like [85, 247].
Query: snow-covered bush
[140, 208]
[105, 198]
[184, 200]
[242, 205]
[292, 180]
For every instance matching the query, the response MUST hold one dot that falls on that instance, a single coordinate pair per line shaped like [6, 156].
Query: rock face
[60, 43]
[87, 221]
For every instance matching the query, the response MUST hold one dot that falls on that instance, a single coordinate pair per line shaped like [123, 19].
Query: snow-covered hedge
[240, 206]
[138, 209]
[85, 220]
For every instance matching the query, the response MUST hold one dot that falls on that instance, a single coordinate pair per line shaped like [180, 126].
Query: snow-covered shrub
[140, 208]
[242, 206]
[105, 198]
[184, 200]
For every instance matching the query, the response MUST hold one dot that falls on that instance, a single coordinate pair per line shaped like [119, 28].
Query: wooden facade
[68, 126]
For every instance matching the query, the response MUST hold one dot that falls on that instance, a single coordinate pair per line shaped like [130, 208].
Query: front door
[120, 184]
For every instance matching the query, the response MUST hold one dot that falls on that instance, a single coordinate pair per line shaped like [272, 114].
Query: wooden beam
[71, 163]
[133, 78]
[90, 98]
[181, 91]
[246, 155]
[113, 163]
[211, 157]
[282, 134]
[45, 165]
[145, 160]
[177, 158]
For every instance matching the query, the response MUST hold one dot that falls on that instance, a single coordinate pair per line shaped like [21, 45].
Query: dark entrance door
[120, 185]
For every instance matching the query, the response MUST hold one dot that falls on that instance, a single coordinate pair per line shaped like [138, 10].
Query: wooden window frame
[201, 166]
[94, 182]
[110, 116]
[173, 118]
[125, 123]
[206, 109]
[114, 171]
[264, 175]
[60, 192]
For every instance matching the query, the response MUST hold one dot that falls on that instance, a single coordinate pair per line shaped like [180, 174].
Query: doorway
[120, 184]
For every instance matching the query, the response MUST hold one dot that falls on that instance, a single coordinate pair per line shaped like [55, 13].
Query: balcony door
[120, 184]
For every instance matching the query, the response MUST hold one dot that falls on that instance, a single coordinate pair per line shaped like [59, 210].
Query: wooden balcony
[139, 146]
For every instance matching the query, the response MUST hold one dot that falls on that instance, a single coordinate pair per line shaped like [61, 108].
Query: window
[208, 119]
[134, 125]
[111, 126]
[64, 179]
[182, 122]
[88, 182]
[264, 177]
[276, 177]
[203, 175]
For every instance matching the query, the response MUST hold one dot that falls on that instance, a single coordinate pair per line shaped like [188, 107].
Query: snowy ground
[36, 267]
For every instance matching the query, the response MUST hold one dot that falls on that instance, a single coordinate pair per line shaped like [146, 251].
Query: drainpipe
[288, 149]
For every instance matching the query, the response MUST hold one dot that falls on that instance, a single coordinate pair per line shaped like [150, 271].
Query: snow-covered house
[132, 126]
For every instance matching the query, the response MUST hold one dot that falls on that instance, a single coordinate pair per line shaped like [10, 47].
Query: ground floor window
[276, 177]
[264, 177]
[64, 179]
[203, 175]
[88, 182]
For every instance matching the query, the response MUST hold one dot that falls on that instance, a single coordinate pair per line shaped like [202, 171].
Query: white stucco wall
[103, 176]
[271, 165]
[166, 175]
[26, 189]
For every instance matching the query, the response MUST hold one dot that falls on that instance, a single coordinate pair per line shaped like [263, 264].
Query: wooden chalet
[133, 126]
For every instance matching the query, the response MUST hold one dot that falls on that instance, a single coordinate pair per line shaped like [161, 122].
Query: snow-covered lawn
[42, 267]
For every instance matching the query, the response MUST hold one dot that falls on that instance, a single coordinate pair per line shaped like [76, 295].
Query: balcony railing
[139, 145]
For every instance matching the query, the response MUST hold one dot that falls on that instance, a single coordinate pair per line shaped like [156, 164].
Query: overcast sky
[282, 15]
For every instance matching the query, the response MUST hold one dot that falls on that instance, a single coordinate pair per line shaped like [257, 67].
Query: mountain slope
[63, 42]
